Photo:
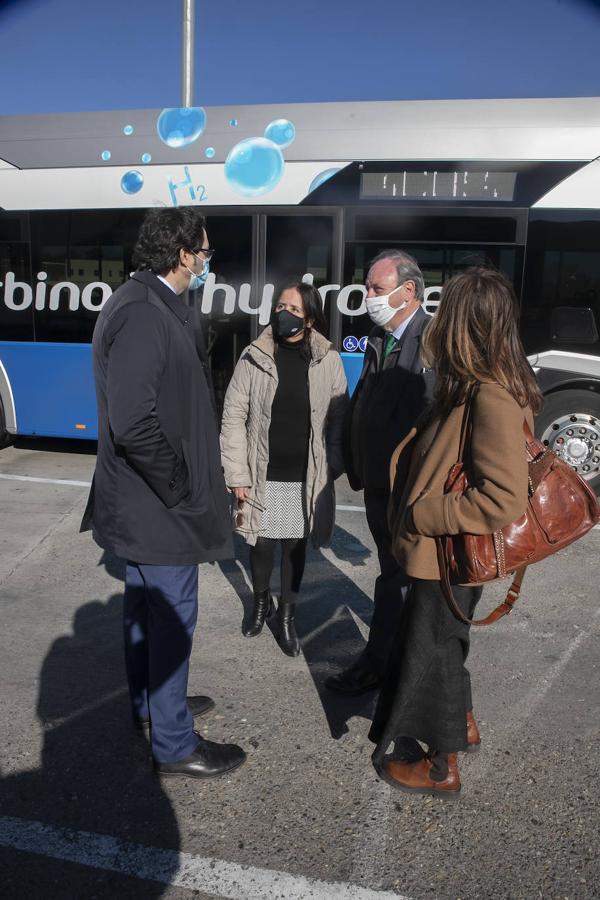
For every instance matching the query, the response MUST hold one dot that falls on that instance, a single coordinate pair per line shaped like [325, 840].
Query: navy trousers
[160, 612]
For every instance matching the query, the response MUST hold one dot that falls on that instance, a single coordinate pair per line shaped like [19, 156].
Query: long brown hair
[475, 337]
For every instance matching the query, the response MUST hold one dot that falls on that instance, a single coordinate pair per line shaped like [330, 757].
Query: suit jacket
[158, 494]
[385, 404]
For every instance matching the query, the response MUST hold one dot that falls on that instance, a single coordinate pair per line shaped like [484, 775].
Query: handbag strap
[501, 610]
[466, 420]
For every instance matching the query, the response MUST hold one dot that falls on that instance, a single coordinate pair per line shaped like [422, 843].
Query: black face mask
[286, 324]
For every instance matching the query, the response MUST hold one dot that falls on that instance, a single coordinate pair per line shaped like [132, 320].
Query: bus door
[228, 292]
[256, 252]
[299, 241]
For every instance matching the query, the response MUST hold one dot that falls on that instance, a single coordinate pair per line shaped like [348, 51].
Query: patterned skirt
[285, 511]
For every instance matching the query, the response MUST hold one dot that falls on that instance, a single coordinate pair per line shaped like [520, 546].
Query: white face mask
[379, 309]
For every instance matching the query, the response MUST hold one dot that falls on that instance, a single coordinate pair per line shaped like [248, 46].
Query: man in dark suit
[158, 498]
[393, 390]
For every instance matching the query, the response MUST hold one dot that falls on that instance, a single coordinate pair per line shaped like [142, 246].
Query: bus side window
[16, 294]
[562, 272]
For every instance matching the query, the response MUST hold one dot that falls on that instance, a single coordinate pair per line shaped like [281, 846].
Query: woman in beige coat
[281, 449]
[474, 346]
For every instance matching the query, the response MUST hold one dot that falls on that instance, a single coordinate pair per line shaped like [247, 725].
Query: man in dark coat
[158, 498]
[393, 389]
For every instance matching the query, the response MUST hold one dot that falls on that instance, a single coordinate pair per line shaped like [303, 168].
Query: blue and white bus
[312, 190]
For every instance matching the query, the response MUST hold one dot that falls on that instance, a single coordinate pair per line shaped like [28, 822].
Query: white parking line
[67, 481]
[522, 712]
[341, 507]
[46, 480]
[196, 873]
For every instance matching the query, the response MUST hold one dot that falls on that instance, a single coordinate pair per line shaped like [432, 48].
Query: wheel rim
[576, 439]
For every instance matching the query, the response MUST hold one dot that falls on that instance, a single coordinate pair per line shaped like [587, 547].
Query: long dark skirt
[427, 689]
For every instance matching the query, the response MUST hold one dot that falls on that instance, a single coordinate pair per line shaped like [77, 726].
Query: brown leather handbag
[561, 508]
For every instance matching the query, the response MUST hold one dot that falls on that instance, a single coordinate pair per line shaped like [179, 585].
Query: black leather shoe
[286, 636]
[207, 761]
[355, 680]
[263, 609]
[198, 706]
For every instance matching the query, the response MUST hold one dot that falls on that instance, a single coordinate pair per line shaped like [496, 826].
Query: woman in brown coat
[474, 346]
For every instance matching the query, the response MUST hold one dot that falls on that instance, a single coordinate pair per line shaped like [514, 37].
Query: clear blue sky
[73, 55]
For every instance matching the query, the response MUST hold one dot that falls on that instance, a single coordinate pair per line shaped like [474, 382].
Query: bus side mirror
[572, 324]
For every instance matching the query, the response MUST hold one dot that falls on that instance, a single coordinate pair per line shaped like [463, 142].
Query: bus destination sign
[432, 185]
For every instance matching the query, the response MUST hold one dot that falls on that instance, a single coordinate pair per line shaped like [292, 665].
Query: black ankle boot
[287, 637]
[263, 608]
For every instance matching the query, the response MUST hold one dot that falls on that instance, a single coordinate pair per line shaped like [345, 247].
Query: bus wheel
[569, 424]
[5, 438]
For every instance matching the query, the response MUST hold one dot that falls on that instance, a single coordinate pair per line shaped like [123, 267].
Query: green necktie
[390, 343]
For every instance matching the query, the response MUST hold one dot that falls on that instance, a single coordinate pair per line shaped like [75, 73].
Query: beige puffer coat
[245, 431]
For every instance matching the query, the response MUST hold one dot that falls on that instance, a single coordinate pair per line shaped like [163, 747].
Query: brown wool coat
[245, 431]
[419, 509]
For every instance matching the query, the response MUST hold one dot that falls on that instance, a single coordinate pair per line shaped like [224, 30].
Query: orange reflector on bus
[80, 427]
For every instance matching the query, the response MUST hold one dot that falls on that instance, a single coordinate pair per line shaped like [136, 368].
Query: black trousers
[391, 586]
[427, 690]
[293, 559]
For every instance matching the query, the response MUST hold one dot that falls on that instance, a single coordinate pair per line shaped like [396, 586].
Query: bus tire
[569, 424]
[6, 438]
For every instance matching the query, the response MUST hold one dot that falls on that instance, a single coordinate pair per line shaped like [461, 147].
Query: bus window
[85, 256]
[562, 270]
[415, 226]
[16, 296]
[438, 264]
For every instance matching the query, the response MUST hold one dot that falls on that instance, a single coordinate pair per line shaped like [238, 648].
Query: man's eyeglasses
[207, 251]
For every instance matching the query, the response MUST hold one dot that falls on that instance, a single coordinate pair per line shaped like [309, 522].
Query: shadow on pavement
[96, 773]
[113, 565]
[56, 445]
[329, 634]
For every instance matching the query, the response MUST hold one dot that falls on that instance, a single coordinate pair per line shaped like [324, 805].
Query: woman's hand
[241, 494]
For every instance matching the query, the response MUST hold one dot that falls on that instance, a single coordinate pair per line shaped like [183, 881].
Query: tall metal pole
[187, 53]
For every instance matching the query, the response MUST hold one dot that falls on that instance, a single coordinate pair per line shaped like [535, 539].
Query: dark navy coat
[385, 404]
[158, 495]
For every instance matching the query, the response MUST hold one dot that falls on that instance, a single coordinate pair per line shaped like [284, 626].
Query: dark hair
[164, 233]
[474, 336]
[313, 309]
[407, 269]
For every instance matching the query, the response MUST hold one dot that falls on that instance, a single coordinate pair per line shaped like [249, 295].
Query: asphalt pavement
[82, 815]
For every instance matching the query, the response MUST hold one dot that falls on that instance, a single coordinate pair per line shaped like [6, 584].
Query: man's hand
[241, 494]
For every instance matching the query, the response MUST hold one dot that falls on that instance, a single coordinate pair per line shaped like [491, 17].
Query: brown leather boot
[473, 736]
[416, 777]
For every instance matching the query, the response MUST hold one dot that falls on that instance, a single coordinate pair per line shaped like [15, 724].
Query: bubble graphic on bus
[321, 178]
[146, 157]
[233, 123]
[254, 167]
[209, 152]
[132, 182]
[105, 155]
[128, 130]
[180, 126]
[281, 132]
